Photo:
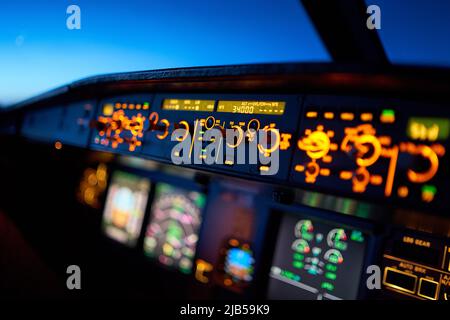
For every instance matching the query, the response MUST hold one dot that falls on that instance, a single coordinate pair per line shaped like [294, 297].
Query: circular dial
[172, 233]
[337, 238]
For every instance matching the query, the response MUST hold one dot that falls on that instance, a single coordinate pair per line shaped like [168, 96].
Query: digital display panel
[172, 232]
[188, 105]
[274, 108]
[125, 207]
[428, 129]
[315, 260]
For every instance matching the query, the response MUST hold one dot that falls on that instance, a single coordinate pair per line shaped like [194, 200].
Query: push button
[428, 289]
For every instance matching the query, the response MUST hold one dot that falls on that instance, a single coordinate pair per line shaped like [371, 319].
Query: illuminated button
[400, 280]
[402, 191]
[376, 180]
[428, 193]
[366, 116]
[346, 175]
[428, 289]
[387, 116]
[58, 145]
[311, 114]
[108, 109]
[347, 116]
[328, 115]
[385, 140]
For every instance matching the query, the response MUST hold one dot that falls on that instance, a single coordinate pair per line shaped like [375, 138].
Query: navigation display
[172, 233]
[316, 261]
[125, 207]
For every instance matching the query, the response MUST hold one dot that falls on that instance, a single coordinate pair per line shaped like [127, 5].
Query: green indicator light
[388, 113]
[297, 264]
[328, 286]
[298, 256]
[146, 104]
[290, 275]
[330, 276]
[429, 189]
[331, 267]
[357, 236]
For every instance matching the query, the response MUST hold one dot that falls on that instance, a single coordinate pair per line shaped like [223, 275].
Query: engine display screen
[274, 108]
[125, 207]
[172, 233]
[316, 261]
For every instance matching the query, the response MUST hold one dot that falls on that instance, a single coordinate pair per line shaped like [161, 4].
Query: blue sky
[38, 52]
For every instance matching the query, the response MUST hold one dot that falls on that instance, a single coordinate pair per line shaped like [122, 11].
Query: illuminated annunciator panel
[172, 233]
[121, 123]
[417, 266]
[315, 260]
[376, 151]
[125, 207]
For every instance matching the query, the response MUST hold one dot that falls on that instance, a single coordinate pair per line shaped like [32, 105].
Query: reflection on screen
[315, 260]
[172, 233]
[125, 207]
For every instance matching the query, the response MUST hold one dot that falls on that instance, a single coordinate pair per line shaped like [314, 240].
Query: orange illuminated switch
[347, 116]
[403, 191]
[366, 116]
[328, 115]
[376, 180]
[327, 158]
[311, 114]
[346, 175]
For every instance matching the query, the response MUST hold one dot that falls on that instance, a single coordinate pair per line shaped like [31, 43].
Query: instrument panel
[346, 145]
[278, 194]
